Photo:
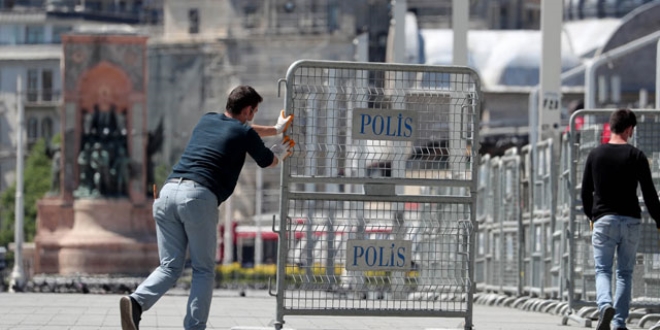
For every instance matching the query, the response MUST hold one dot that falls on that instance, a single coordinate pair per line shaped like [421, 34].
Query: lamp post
[18, 275]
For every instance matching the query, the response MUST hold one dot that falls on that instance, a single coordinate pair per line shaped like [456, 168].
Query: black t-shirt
[609, 184]
[216, 152]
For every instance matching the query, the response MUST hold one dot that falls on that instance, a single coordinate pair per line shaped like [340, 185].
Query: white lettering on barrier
[369, 255]
[382, 124]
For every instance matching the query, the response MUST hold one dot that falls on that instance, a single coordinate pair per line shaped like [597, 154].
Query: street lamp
[18, 275]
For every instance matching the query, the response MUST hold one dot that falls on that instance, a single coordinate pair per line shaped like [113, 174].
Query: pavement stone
[255, 311]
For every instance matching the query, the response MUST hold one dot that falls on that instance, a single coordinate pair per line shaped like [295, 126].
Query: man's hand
[283, 149]
[283, 122]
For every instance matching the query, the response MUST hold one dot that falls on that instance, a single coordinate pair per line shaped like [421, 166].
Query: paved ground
[256, 310]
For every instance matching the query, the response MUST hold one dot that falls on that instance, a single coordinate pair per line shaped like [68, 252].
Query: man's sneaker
[624, 328]
[605, 318]
[130, 312]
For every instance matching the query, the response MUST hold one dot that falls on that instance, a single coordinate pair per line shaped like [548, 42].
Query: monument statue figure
[104, 161]
[100, 163]
[120, 171]
[86, 174]
[104, 123]
[54, 153]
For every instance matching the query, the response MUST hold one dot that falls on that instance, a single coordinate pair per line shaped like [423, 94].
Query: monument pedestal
[54, 220]
[107, 236]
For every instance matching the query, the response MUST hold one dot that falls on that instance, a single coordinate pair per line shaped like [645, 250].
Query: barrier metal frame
[462, 194]
[511, 244]
[485, 214]
[543, 218]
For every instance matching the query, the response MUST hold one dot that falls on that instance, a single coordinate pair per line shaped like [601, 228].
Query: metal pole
[399, 8]
[657, 77]
[550, 96]
[361, 43]
[549, 101]
[460, 18]
[18, 275]
[534, 103]
[228, 238]
[258, 241]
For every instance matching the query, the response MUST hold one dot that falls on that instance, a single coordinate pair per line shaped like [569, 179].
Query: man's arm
[275, 162]
[264, 131]
[648, 189]
[281, 126]
[587, 192]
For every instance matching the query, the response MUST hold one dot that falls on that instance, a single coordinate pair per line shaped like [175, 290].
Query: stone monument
[97, 217]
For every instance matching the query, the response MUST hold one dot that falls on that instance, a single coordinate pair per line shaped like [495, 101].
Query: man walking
[186, 211]
[609, 198]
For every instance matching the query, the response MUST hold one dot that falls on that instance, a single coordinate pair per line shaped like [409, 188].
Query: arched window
[47, 128]
[32, 129]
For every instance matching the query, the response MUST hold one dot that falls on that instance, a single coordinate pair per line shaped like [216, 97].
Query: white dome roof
[512, 57]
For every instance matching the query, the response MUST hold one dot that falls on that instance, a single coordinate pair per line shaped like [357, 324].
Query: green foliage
[161, 172]
[36, 182]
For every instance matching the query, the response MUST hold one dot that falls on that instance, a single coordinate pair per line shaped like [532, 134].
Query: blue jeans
[621, 234]
[186, 215]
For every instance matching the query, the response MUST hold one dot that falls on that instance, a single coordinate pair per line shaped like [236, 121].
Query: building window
[333, 16]
[58, 31]
[504, 18]
[92, 6]
[34, 35]
[47, 85]
[47, 128]
[193, 20]
[32, 129]
[251, 19]
[32, 85]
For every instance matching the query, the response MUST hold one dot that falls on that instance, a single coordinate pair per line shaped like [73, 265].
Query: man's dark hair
[241, 97]
[621, 120]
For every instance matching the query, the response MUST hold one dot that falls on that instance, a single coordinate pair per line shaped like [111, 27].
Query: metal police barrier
[378, 200]
[538, 231]
[485, 207]
[580, 281]
[510, 221]
[487, 229]
[498, 239]
[559, 240]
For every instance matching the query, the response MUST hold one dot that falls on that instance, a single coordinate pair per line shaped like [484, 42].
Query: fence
[555, 262]
[378, 200]
[581, 274]
[387, 210]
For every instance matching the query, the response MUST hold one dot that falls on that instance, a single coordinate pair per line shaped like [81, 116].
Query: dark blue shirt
[216, 152]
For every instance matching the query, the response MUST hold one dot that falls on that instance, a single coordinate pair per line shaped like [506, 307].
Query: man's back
[609, 185]
[613, 168]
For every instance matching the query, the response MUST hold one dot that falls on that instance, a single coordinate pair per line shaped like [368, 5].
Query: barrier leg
[575, 318]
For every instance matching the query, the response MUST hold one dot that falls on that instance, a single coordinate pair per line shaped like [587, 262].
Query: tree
[36, 183]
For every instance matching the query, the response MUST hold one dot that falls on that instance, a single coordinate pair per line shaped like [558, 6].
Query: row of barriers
[534, 242]
[388, 210]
